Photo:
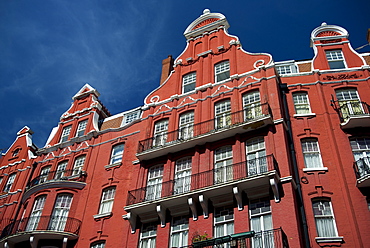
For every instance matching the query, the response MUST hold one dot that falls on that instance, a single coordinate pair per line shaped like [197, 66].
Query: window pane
[189, 82]
[311, 153]
[222, 71]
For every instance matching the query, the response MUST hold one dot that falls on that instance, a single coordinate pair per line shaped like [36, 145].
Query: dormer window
[130, 117]
[65, 133]
[188, 82]
[222, 71]
[335, 59]
[81, 128]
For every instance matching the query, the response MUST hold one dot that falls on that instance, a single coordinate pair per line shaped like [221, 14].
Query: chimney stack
[167, 67]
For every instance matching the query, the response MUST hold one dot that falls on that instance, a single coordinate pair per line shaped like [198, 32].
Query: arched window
[186, 123]
[223, 114]
[107, 198]
[160, 132]
[223, 164]
[154, 184]
[60, 213]
[256, 156]
[36, 212]
[324, 218]
[252, 105]
[311, 153]
[182, 175]
[98, 244]
[79, 163]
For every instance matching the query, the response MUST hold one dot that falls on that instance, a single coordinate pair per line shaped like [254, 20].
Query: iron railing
[42, 223]
[204, 179]
[226, 121]
[58, 175]
[348, 109]
[362, 167]
[275, 238]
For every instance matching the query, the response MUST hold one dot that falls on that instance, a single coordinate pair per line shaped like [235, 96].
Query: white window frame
[285, 69]
[82, 125]
[349, 102]
[61, 169]
[44, 174]
[223, 222]
[36, 213]
[301, 103]
[160, 132]
[65, 133]
[107, 200]
[154, 182]
[9, 182]
[311, 153]
[323, 212]
[99, 244]
[189, 82]
[256, 156]
[335, 56]
[361, 153]
[179, 231]
[252, 105]
[117, 153]
[261, 222]
[186, 125]
[223, 114]
[148, 235]
[132, 116]
[60, 212]
[78, 165]
[182, 175]
[223, 159]
[222, 71]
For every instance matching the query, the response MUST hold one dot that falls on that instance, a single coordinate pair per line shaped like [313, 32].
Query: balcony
[227, 125]
[362, 171]
[252, 177]
[56, 179]
[353, 113]
[264, 239]
[65, 229]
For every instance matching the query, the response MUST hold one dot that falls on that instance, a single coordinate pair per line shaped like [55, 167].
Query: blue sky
[50, 49]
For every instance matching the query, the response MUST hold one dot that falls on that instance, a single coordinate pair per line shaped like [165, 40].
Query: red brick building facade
[231, 150]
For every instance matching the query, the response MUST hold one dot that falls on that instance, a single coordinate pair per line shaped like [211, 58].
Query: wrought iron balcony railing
[226, 121]
[274, 238]
[42, 223]
[362, 167]
[228, 173]
[350, 109]
[61, 175]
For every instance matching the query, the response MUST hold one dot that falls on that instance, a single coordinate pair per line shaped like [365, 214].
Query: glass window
[284, 69]
[65, 133]
[186, 124]
[349, 102]
[256, 156]
[261, 222]
[154, 185]
[160, 132]
[223, 114]
[130, 117]
[107, 199]
[44, 174]
[117, 154]
[79, 163]
[252, 105]
[182, 175]
[189, 82]
[222, 71]
[301, 103]
[60, 212]
[311, 153]
[335, 59]
[361, 153]
[99, 244]
[179, 231]
[35, 215]
[61, 169]
[224, 222]
[9, 183]
[223, 164]
[148, 235]
[81, 128]
[324, 218]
